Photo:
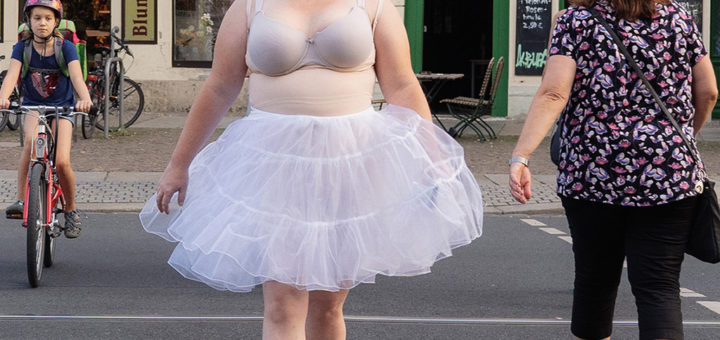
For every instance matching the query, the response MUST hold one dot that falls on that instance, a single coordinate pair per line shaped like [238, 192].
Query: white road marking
[684, 292]
[350, 318]
[553, 231]
[532, 222]
[567, 239]
[711, 305]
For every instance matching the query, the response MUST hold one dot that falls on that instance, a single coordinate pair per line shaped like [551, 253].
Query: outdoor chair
[469, 111]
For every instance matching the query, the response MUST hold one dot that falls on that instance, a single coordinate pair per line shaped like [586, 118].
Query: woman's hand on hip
[174, 179]
[520, 182]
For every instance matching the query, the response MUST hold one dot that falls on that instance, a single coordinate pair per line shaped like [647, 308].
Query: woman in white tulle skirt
[313, 192]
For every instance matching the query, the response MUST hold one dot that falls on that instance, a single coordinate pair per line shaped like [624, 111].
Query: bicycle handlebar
[18, 109]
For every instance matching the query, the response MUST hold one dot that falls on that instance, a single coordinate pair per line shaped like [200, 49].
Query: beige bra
[274, 48]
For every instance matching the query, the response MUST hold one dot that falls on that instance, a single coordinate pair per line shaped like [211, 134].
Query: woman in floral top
[626, 179]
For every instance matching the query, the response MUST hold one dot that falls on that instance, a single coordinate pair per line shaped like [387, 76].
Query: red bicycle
[43, 195]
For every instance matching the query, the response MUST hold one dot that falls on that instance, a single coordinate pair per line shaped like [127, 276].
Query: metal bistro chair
[469, 111]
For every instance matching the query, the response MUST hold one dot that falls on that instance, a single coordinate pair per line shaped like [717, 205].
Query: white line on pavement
[567, 239]
[350, 318]
[711, 305]
[684, 292]
[553, 231]
[532, 222]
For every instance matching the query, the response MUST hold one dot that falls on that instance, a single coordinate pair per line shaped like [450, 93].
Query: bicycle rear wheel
[36, 205]
[133, 104]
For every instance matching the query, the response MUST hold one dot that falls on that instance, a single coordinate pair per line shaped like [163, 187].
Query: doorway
[457, 32]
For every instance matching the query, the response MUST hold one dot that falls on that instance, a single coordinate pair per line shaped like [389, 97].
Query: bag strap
[59, 57]
[641, 75]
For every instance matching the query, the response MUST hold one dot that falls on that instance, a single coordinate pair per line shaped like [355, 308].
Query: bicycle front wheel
[36, 207]
[14, 120]
[3, 120]
[133, 104]
[88, 125]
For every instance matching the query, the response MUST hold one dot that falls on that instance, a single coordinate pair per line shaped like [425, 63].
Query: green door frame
[414, 17]
[715, 46]
[501, 47]
[414, 14]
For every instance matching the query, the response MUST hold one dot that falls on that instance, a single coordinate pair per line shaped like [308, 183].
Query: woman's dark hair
[628, 9]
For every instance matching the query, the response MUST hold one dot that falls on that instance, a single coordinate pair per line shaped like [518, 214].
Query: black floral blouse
[617, 146]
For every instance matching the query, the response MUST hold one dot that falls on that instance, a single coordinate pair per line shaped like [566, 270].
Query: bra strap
[361, 3]
[258, 6]
[251, 15]
[377, 14]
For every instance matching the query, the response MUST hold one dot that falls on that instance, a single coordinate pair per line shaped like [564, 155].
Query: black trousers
[653, 241]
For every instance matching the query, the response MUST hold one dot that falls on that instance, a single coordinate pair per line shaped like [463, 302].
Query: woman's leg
[325, 315]
[66, 175]
[285, 312]
[598, 245]
[655, 246]
[30, 124]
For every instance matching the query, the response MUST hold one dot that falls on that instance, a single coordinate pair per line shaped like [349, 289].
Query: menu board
[695, 7]
[533, 23]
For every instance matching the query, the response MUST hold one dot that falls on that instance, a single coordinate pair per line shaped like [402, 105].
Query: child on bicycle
[45, 84]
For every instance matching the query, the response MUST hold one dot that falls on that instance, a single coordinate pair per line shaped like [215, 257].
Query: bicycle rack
[121, 93]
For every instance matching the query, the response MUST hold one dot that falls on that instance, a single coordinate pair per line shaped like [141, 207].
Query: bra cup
[275, 49]
[347, 44]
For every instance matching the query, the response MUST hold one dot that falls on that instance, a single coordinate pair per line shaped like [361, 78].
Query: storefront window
[195, 26]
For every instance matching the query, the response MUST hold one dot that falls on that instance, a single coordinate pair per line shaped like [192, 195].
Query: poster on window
[139, 21]
[531, 37]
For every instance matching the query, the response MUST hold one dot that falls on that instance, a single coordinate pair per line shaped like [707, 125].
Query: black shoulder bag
[704, 241]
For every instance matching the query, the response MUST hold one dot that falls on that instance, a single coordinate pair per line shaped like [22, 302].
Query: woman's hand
[520, 182]
[174, 179]
[81, 105]
[4, 103]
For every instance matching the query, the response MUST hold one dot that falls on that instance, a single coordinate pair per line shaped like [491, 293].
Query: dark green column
[501, 42]
[715, 46]
[414, 14]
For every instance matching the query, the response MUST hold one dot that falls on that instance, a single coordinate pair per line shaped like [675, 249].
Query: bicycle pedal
[14, 216]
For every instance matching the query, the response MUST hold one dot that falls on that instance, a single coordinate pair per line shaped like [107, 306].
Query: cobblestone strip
[96, 192]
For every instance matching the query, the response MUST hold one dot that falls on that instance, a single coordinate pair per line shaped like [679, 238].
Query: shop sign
[139, 21]
[532, 32]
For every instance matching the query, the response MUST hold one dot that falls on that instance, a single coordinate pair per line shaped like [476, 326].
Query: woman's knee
[63, 166]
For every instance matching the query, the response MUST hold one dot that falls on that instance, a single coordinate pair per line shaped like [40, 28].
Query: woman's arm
[216, 95]
[9, 82]
[704, 91]
[392, 63]
[76, 78]
[549, 101]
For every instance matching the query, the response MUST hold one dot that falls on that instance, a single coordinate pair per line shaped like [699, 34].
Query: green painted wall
[414, 15]
[501, 47]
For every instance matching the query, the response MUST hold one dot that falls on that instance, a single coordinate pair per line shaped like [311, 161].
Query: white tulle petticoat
[321, 203]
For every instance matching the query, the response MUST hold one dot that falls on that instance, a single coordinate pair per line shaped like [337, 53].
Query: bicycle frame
[45, 155]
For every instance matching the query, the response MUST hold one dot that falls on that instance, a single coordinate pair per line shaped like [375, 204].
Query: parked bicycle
[133, 96]
[44, 197]
[6, 119]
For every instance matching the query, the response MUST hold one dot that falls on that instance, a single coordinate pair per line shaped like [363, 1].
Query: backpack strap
[59, 57]
[27, 56]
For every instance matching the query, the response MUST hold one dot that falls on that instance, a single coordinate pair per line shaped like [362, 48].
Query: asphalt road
[515, 282]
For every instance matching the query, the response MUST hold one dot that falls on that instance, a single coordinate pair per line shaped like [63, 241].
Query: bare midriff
[313, 91]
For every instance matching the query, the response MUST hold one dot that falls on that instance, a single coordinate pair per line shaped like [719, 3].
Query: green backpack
[67, 29]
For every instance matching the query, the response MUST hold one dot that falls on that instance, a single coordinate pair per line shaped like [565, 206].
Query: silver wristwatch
[518, 159]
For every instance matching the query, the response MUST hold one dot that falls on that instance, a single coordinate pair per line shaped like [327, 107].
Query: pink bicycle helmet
[54, 5]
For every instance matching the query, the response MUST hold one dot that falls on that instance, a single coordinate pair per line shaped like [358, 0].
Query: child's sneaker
[15, 210]
[72, 224]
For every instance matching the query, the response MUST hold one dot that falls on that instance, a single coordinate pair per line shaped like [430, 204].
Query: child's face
[42, 21]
